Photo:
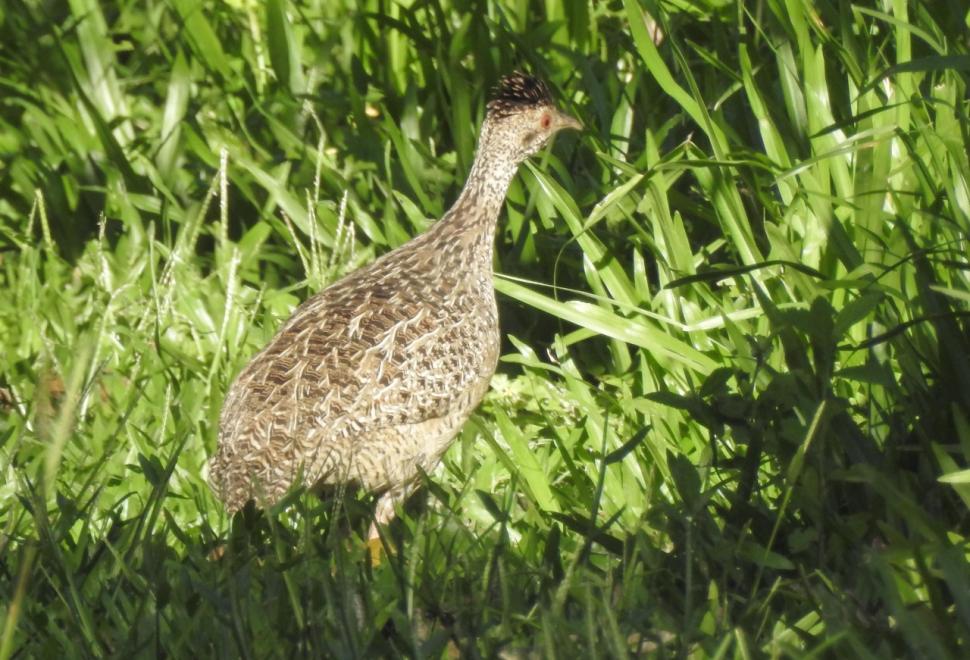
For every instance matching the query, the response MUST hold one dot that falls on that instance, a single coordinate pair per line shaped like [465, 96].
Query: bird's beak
[565, 121]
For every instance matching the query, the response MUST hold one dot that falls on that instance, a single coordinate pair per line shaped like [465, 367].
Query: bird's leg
[383, 514]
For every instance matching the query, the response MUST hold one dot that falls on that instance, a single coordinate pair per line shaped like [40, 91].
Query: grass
[731, 416]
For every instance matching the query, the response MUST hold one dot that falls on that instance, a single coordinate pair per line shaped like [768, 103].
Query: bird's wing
[339, 368]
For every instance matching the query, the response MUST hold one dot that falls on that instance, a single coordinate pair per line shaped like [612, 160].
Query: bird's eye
[546, 120]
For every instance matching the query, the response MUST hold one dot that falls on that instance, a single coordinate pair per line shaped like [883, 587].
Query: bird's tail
[229, 483]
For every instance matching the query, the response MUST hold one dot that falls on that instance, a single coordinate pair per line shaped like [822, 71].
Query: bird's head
[522, 117]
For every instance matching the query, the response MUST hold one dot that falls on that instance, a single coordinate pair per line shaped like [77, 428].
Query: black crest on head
[516, 92]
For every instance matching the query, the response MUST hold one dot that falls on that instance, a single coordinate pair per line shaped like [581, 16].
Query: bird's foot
[375, 546]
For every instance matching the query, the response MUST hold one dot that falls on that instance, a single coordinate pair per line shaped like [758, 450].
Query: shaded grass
[731, 412]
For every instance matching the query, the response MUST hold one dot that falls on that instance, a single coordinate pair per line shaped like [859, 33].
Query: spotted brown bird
[371, 379]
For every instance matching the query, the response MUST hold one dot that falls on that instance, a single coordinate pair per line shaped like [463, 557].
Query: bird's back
[402, 347]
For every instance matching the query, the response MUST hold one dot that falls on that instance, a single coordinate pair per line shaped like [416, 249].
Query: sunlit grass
[731, 412]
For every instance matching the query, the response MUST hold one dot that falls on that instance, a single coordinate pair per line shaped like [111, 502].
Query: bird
[369, 381]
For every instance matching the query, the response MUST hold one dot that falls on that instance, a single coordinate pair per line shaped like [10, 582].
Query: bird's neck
[470, 222]
[481, 200]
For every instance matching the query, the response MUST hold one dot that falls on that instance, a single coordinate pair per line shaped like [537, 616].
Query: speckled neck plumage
[468, 227]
